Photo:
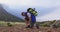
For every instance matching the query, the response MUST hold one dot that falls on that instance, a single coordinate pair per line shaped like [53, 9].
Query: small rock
[40, 31]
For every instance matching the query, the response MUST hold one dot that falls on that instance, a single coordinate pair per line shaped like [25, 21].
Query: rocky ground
[20, 28]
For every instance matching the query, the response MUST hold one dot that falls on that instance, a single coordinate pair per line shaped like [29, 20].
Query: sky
[47, 9]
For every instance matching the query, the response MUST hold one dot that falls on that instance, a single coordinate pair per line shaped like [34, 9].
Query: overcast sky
[47, 9]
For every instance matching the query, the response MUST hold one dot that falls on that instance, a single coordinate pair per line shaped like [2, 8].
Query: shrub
[45, 25]
[9, 24]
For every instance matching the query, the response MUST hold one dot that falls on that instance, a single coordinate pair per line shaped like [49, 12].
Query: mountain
[50, 23]
[5, 16]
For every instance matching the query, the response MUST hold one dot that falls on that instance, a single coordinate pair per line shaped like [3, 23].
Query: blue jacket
[33, 18]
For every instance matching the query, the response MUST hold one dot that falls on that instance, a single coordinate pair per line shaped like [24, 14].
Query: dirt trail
[20, 28]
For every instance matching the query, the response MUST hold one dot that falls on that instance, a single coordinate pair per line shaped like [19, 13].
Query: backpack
[32, 11]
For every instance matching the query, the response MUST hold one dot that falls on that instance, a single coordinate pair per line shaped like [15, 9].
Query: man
[32, 17]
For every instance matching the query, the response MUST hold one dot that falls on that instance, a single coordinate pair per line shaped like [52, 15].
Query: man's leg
[26, 22]
[37, 26]
[32, 24]
[28, 25]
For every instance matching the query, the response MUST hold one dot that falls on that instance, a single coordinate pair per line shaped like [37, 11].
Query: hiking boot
[28, 26]
[37, 27]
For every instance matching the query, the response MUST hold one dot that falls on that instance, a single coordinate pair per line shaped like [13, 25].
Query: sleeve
[29, 15]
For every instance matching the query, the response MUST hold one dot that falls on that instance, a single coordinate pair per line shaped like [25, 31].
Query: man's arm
[29, 16]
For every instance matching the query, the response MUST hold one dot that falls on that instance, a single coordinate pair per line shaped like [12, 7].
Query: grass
[20, 28]
[3, 23]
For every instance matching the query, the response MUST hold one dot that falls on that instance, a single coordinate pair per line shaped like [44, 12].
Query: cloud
[51, 16]
[41, 3]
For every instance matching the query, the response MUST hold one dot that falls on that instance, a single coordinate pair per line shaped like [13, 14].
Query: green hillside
[5, 16]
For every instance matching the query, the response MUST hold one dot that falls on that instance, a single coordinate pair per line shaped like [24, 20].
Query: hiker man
[32, 17]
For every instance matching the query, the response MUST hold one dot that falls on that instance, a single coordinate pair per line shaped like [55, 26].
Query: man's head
[23, 13]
